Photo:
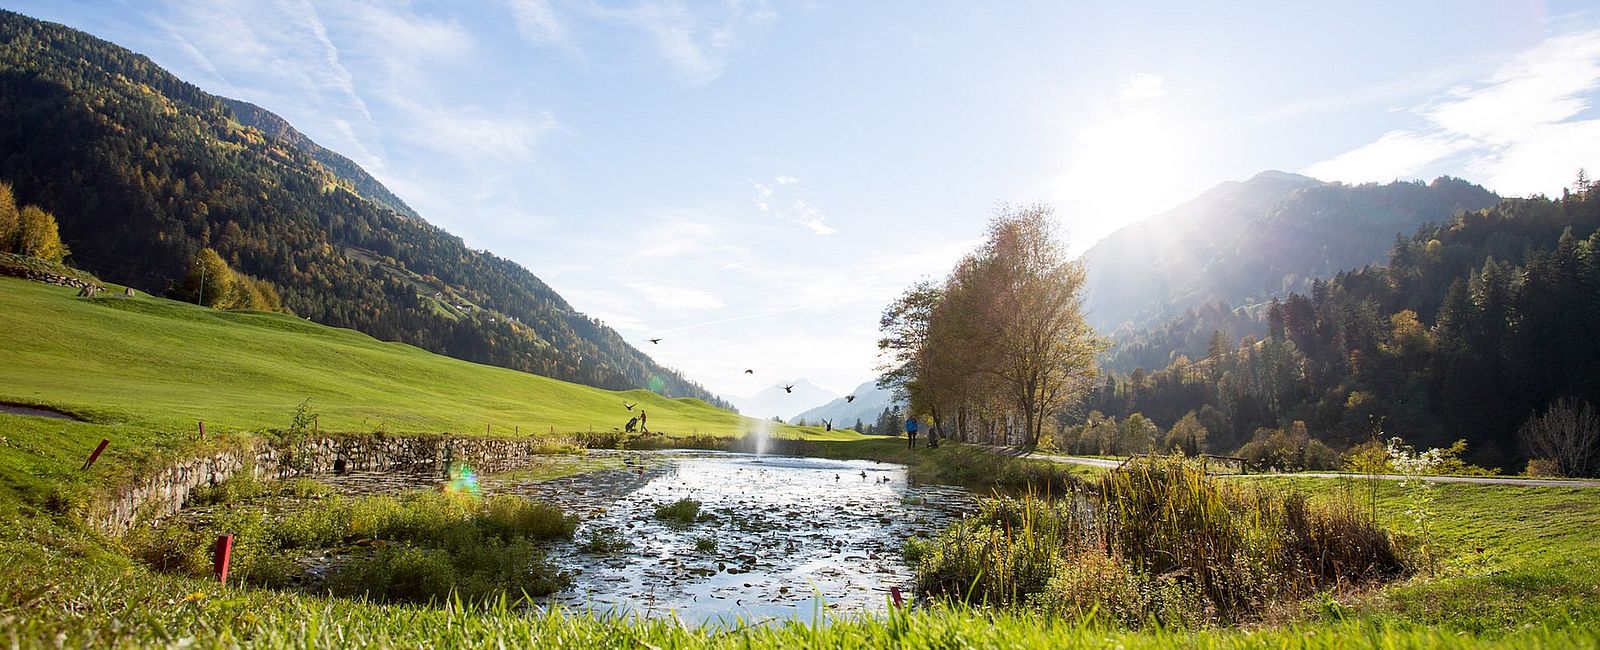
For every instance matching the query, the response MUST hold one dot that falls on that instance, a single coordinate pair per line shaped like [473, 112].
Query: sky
[753, 181]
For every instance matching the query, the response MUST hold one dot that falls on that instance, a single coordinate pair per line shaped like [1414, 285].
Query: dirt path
[1478, 480]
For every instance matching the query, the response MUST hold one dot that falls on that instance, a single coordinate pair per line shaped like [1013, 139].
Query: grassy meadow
[143, 371]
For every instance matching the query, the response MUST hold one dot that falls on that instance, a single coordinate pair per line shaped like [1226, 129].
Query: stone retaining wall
[47, 277]
[165, 492]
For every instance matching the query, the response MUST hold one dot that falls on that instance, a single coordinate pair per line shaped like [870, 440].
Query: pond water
[794, 537]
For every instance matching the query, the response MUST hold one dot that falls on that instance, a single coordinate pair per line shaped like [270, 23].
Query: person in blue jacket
[911, 432]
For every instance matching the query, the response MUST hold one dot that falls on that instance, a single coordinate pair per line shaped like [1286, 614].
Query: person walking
[643, 428]
[911, 432]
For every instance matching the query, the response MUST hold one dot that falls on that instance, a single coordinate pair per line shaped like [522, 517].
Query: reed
[1158, 541]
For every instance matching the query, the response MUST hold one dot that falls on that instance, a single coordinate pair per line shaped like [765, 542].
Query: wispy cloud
[538, 22]
[792, 209]
[694, 39]
[1515, 129]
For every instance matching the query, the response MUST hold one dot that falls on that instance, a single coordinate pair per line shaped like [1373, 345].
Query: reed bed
[1156, 542]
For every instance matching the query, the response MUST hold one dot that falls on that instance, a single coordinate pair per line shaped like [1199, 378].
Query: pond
[793, 537]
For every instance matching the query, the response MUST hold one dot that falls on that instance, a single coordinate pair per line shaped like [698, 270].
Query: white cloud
[1143, 85]
[798, 211]
[538, 23]
[1516, 128]
[1398, 154]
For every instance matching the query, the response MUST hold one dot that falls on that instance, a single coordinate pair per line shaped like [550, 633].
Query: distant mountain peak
[774, 401]
[1276, 175]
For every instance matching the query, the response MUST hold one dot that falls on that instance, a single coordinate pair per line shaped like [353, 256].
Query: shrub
[426, 544]
[681, 512]
[1289, 450]
[1160, 538]
[1542, 467]
[707, 544]
[513, 516]
[480, 570]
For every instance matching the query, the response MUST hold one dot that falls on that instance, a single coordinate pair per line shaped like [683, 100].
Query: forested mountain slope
[143, 171]
[1475, 324]
[1163, 285]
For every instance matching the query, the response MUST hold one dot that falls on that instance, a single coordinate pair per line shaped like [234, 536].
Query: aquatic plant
[1157, 541]
[603, 540]
[682, 512]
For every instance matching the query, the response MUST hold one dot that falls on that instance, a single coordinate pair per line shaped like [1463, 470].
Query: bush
[681, 512]
[1289, 450]
[1542, 467]
[1158, 538]
[422, 545]
[512, 516]
[479, 570]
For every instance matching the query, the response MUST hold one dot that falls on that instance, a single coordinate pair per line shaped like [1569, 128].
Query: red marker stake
[220, 554]
[96, 455]
[202, 430]
[898, 600]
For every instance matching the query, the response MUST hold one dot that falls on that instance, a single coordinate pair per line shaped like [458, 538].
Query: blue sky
[752, 181]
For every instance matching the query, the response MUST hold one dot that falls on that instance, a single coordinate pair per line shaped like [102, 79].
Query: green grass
[1539, 560]
[68, 591]
[143, 371]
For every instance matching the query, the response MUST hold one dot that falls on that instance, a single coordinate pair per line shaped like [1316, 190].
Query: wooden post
[486, 429]
[96, 455]
[220, 554]
[202, 429]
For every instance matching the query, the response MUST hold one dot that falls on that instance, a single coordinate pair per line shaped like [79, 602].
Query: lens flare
[463, 480]
[656, 384]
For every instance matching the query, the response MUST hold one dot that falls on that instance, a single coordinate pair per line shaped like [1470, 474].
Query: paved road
[1480, 480]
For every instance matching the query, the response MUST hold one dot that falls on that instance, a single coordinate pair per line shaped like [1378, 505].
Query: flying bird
[849, 398]
[655, 341]
[788, 388]
[630, 406]
[749, 371]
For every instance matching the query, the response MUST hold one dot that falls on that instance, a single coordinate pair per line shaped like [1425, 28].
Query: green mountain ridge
[143, 170]
[279, 129]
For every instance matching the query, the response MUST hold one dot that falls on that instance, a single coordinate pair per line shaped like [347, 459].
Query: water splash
[763, 434]
[463, 480]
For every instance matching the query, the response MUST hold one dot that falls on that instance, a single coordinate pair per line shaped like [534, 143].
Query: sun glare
[1121, 168]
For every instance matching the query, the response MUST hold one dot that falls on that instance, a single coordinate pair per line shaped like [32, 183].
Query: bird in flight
[788, 388]
[849, 398]
[630, 406]
[749, 371]
[655, 340]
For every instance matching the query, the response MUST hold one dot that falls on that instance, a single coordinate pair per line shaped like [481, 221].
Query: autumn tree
[9, 219]
[1003, 337]
[38, 235]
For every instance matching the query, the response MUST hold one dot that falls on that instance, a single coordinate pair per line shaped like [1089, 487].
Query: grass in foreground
[69, 592]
